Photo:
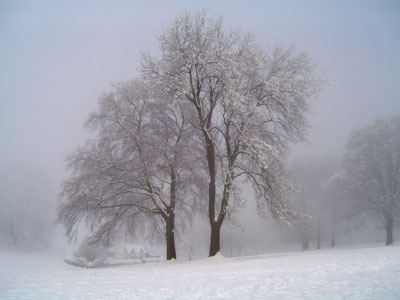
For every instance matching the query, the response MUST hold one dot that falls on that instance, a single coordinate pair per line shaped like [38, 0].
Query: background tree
[337, 202]
[312, 200]
[137, 170]
[372, 170]
[248, 106]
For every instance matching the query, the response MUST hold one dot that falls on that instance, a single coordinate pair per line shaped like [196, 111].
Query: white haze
[57, 57]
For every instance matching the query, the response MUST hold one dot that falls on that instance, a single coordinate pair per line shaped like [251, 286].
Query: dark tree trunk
[304, 241]
[333, 236]
[215, 221]
[215, 226]
[319, 233]
[215, 246]
[304, 238]
[389, 228]
[333, 226]
[170, 237]
[169, 218]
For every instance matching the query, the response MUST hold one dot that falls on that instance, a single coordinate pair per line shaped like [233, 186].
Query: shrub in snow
[91, 252]
[91, 255]
[133, 251]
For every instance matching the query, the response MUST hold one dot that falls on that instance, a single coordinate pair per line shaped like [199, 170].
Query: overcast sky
[56, 57]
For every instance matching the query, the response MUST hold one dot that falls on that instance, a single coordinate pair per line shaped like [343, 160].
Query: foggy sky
[57, 57]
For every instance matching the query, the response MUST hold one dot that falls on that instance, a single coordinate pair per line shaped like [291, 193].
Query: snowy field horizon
[356, 272]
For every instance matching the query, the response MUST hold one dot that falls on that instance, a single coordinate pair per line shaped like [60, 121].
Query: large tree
[248, 104]
[136, 170]
[372, 169]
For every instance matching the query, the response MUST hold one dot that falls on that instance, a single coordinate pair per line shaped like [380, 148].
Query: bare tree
[248, 104]
[138, 169]
[372, 169]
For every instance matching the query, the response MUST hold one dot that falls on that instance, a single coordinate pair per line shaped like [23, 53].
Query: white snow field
[347, 273]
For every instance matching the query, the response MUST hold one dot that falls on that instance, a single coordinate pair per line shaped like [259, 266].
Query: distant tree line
[364, 184]
[26, 208]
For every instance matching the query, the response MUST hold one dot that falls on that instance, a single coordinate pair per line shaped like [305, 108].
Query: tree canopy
[372, 165]
[215, 107]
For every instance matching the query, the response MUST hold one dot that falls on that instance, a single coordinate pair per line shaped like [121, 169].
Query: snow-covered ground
[347, 273]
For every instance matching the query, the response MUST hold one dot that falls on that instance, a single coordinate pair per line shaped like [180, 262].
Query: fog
[58, 57]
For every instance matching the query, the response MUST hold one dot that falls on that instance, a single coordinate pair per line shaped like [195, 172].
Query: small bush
[92, 252]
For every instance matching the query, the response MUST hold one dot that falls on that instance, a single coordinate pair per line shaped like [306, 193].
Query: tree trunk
[389, 228]
[304, 238]
[170, 219]
[319, 233]
[215, 226]
[170, 237]
[333, 237]
[333, 226]
[15, 229]
[215, 239]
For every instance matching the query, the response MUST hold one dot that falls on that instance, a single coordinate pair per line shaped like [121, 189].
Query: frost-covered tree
[249, 105]
[372, 169]
[138, 169]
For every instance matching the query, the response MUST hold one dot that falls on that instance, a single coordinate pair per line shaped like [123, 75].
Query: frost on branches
[214, 109]
[136, 172]
[247, 106]
[372, 165]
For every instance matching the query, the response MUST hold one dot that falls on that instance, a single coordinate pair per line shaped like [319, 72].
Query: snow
[347, 273]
